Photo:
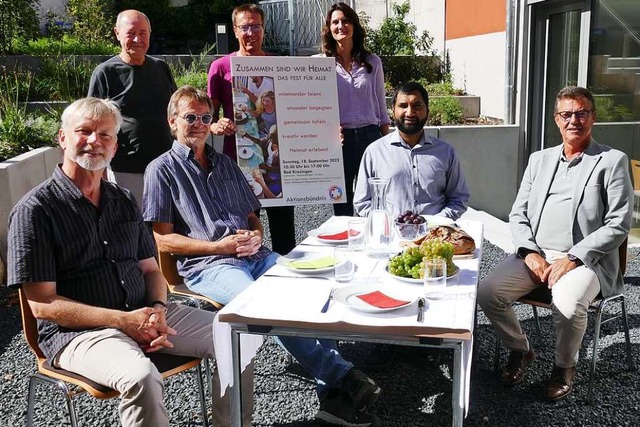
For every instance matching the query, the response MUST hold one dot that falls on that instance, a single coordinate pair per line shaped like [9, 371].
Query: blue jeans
[319, 358]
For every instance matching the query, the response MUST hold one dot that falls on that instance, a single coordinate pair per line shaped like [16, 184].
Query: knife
[421, 310]
[325, 307]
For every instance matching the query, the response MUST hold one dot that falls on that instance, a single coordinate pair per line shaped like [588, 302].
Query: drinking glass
[357, 231]
[435, 278]
[344, 267]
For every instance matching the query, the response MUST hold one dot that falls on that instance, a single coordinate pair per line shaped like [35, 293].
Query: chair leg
[537, 319]
[594, 358]
[625, 323]
[62, 387]
[31, 402]
[203, 404]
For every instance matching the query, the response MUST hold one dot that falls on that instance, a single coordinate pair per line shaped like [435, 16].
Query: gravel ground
[416, 389]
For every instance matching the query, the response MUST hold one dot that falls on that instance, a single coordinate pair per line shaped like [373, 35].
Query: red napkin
[380, 300]
[338, 236]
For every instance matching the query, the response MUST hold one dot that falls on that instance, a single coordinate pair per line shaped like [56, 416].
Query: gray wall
[489, 158]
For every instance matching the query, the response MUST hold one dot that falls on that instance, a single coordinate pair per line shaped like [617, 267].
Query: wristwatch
[574, 259]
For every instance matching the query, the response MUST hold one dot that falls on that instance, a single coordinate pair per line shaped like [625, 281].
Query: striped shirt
[58, 235]
[200, 205]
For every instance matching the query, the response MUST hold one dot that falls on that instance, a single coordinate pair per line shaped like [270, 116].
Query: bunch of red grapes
[409, 217]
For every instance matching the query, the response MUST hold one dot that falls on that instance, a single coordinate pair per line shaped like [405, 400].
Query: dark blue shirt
[203, 206]
[57, 235]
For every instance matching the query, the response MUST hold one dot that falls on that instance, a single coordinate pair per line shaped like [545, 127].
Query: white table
[285, 303]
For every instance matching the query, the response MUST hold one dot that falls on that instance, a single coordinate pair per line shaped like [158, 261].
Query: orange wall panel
[465, 18]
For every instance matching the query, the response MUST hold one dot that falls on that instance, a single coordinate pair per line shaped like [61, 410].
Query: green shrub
[442, 88]
[399, 69]
[67, 45]
[444, 110]
[196, 73]
[18, 20]
[63, 78]
[21, 131]
[16, 84]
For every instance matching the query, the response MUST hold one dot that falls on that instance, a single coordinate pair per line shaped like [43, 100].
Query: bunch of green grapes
[436, 248]
[406, 264]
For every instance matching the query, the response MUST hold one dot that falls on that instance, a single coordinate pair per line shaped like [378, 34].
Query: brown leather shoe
[560, 383]
[513, 372]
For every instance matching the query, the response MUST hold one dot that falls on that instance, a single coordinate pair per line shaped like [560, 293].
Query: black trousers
[353, 146]
[282, 227]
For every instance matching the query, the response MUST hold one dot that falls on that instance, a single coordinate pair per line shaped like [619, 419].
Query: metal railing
[293, 26]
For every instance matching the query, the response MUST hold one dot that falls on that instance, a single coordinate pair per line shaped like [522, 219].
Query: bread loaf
[462, 242]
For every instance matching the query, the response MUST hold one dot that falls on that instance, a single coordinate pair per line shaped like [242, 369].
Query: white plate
[241, 141]
[245, 153]
[348, 295]
[416, 281]
[284, 262]
[328, 230]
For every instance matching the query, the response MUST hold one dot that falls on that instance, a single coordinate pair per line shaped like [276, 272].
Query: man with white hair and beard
[424, 172]
[86, 263]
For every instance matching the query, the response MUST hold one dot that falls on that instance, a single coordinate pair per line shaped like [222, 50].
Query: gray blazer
[601, 208]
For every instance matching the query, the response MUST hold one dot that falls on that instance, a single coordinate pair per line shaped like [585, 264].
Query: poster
[288, 129]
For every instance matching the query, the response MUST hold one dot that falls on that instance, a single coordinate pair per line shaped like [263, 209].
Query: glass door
[559, 59]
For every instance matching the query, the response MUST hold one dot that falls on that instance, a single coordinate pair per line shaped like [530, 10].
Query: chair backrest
[29, 326]
[169, 269]
[635, 172]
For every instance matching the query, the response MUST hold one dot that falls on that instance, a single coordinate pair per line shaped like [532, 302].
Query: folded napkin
[380, 300]
[337, 236]
[312, 264]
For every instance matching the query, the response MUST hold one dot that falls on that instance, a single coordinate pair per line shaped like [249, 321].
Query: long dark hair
[329, 45]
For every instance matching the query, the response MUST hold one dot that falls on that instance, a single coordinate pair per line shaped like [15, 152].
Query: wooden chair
[71, 384]
[541, 297]
[167, 263]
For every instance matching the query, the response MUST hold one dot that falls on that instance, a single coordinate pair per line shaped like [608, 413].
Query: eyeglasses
[255, 28]
[191, 119]
[580, 115]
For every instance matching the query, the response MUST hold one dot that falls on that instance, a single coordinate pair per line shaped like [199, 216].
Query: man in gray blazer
[572, 212]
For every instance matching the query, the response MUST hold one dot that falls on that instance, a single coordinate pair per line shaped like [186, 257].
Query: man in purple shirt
[247, 26]
[202, 210]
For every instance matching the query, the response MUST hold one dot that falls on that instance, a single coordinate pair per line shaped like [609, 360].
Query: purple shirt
[361, 95]
[219, 88]
[200, 205]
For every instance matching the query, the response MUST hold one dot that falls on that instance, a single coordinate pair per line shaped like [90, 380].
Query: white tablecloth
[285, 297]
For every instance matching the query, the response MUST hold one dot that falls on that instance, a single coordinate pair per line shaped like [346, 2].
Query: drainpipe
[510, 93]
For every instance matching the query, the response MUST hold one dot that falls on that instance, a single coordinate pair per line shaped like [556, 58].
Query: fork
[325, 307]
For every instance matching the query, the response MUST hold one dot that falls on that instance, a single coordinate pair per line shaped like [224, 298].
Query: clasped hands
[148, 327]
[243, 243]
[543, 272]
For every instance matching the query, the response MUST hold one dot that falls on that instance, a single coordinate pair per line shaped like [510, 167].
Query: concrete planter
[18, 176]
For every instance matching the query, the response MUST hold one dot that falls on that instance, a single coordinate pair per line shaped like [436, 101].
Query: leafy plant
[444, 110]
[442, 88]
[18, 21]
[21, 131]
[397, 35]
[66, 45]
[63, 78]
[196, 73]
[93, 20]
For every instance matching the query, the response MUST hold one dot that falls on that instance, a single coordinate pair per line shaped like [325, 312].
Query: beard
[411, 129]
[92, 164]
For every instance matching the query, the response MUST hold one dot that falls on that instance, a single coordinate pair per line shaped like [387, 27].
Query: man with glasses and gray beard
[571, 214]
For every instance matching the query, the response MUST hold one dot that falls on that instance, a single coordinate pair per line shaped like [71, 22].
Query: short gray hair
[94, 108]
